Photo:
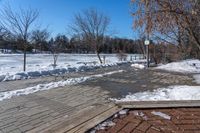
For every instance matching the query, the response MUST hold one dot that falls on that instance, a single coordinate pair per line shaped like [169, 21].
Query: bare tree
[121, 56]
[169, 20]
[55, 47]
[39, 38]
[18, 25]
[92, 26]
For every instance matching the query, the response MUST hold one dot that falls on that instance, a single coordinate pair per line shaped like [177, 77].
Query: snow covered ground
[177, 92]
[162, 94]
[197, 78]
[186, 66]
[11, 65]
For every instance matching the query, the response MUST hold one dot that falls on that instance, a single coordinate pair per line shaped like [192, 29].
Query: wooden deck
[81, 121]
[67, 109]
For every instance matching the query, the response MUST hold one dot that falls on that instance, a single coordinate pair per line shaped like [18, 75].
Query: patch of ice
[138, 66]
[185, 66]
[171, 93]
[163, 115]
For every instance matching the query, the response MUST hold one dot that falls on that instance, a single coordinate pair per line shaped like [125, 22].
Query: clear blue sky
[58, 14]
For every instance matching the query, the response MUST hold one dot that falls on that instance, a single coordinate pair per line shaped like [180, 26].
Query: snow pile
[41, 87]
[59, 71]
[11, 65]
[170, 93]
[197, 78]
[163, 115]
[186, 66]
[138, 66]
[52, 85]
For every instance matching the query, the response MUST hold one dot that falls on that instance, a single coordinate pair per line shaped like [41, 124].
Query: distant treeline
[75, 45]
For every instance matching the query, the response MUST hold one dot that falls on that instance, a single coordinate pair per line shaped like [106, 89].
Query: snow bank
[186, 66]
[52, 85]
[39, 65]
[170, 93]
[40, 87]
[58, 71]
[138, 66]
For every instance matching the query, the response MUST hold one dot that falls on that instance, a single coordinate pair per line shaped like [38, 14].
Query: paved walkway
[182, 120]
[133, 81]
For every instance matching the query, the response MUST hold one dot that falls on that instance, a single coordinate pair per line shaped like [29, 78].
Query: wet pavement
[132, 81]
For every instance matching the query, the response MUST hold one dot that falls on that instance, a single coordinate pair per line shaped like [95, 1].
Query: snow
[163, 115]
[197, 78]
[186, 66]
[138, 66]
[40, 87]
[52, 85]
[109, 122]
[177, 92]
[141, 114]
[41, 65]
[102, 126]
[171, 93]
[123, 112]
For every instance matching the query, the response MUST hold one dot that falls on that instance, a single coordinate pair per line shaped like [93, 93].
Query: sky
[57, 15]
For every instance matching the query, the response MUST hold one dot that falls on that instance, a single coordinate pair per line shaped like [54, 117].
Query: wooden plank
[79, 118]
[159, 104]
[95, 121]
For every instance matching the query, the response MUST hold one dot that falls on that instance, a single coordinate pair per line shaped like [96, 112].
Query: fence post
[104, 59]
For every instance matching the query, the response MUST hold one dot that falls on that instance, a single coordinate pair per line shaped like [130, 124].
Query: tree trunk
[99, 58]
[55, 58]
[24, 60]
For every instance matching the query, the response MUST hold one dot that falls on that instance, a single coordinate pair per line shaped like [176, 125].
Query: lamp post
[147, 42]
